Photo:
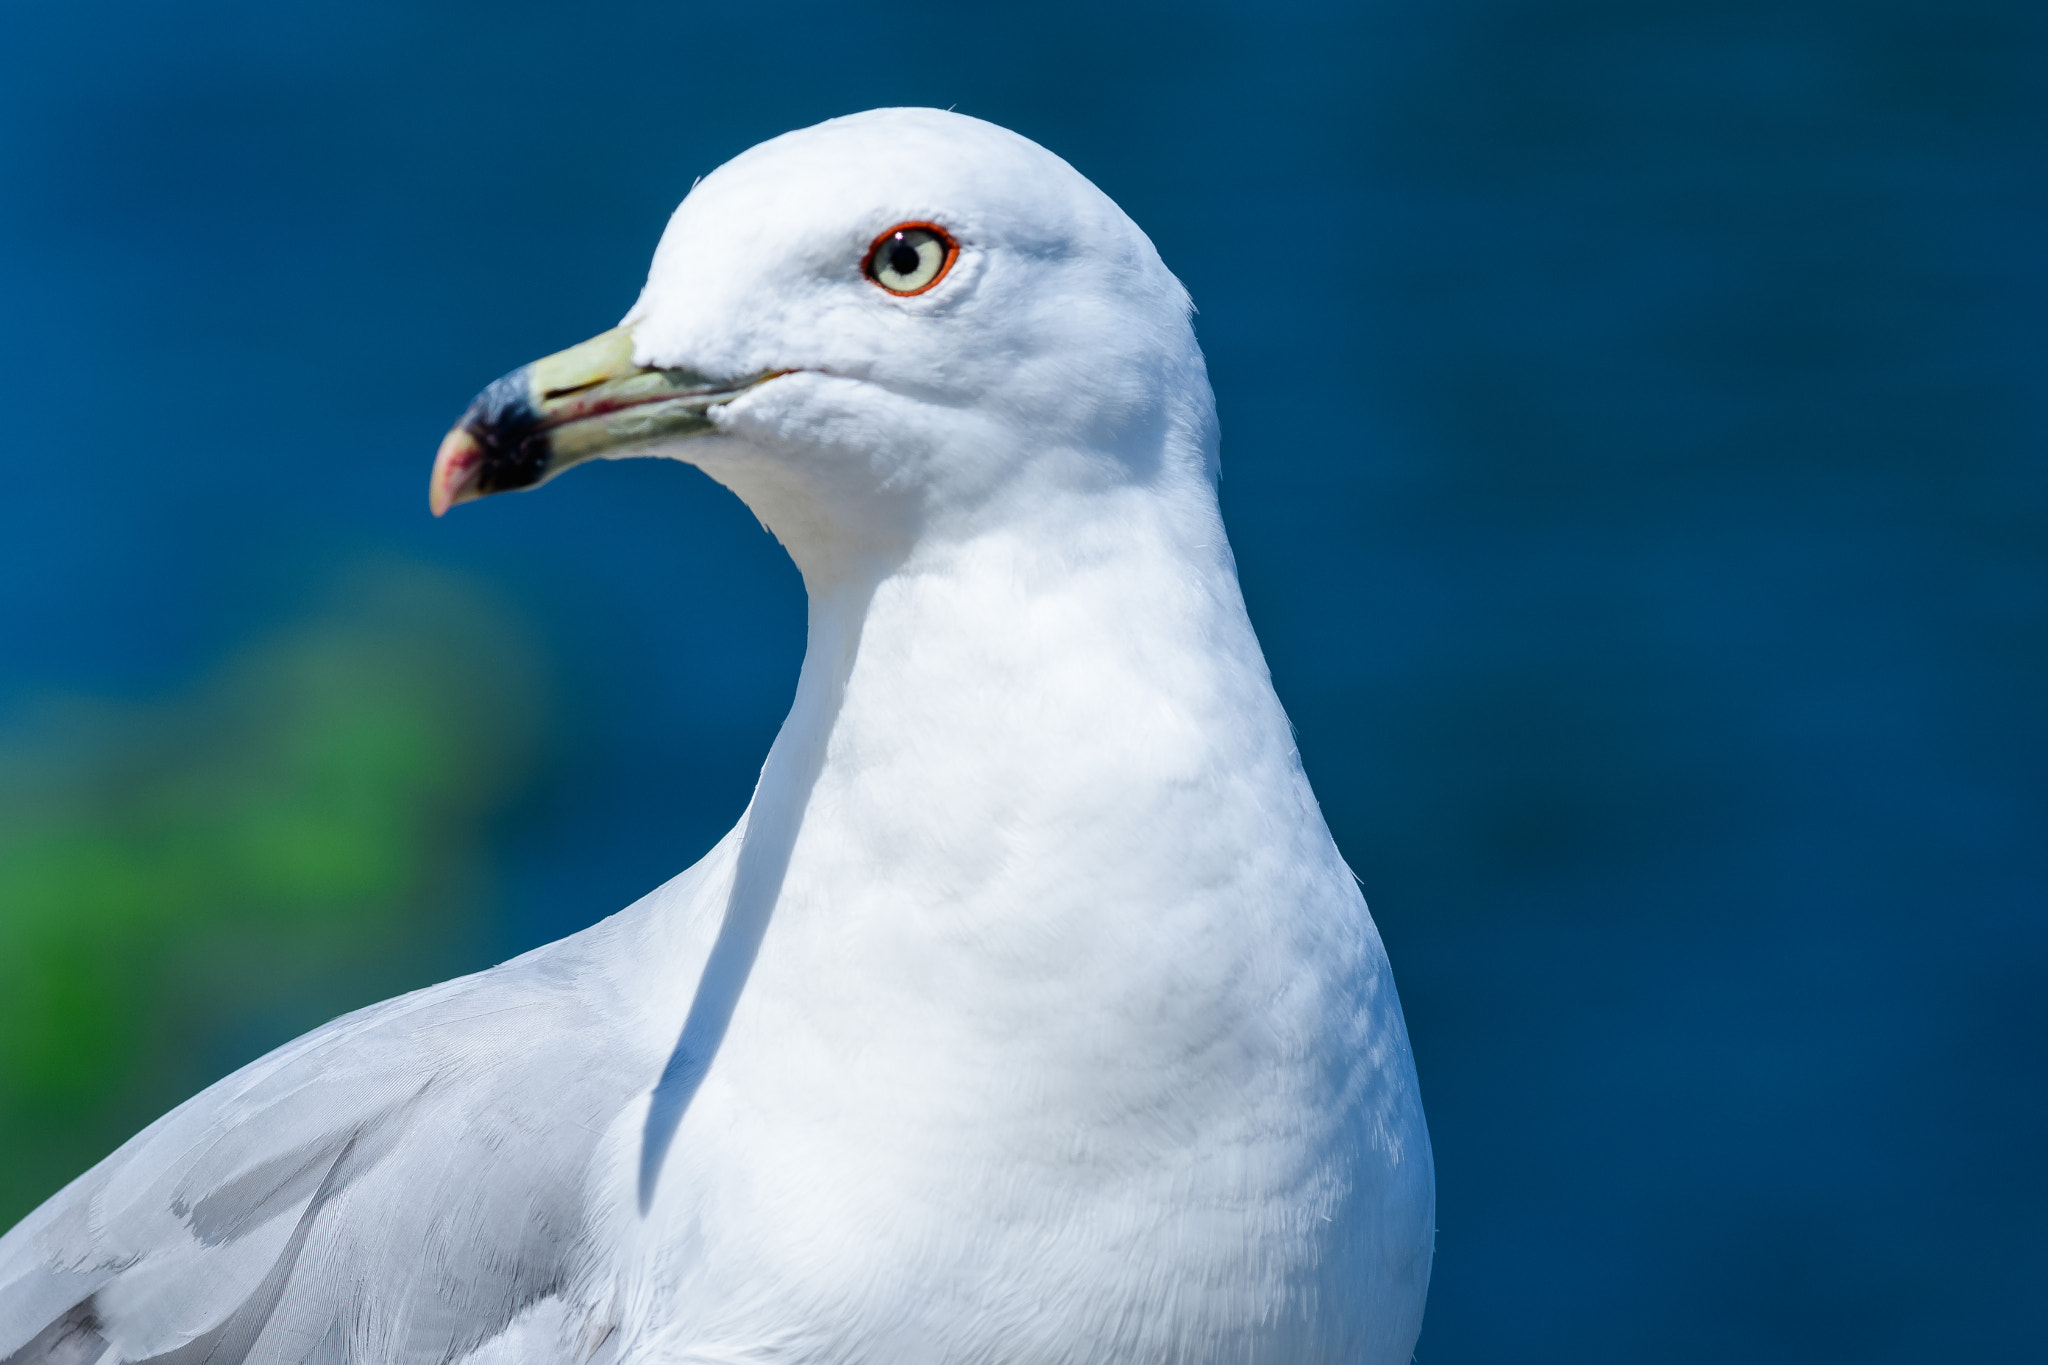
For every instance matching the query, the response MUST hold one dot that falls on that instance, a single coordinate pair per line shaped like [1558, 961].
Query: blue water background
[1634, 450]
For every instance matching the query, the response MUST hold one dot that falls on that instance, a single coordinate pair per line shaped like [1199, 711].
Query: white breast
[1069, 1036]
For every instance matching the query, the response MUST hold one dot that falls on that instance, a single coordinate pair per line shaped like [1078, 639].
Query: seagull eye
[911, 257]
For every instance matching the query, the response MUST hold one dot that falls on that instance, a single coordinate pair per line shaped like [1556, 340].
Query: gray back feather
[395, 1187]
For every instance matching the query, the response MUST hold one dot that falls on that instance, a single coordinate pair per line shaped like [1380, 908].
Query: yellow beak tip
[456, 466]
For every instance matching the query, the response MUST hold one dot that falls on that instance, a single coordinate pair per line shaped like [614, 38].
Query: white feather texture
[1029, 1015]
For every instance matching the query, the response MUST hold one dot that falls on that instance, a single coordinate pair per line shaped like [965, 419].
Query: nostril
[553, 394]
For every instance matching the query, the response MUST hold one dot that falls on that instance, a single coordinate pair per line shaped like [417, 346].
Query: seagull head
[888, 327]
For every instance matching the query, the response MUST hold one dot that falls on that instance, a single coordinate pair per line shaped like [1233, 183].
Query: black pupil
[902, 258]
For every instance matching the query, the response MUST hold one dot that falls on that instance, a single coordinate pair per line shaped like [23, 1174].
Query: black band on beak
[514, 450]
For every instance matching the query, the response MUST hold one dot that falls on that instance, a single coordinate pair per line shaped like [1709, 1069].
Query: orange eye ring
[874, 266]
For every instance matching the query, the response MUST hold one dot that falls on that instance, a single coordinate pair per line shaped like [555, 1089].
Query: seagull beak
[588, 402]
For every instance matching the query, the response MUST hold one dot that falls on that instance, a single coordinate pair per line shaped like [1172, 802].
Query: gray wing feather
[398, 1186]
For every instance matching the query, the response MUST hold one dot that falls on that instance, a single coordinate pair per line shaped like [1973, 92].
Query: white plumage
[1028, 1015]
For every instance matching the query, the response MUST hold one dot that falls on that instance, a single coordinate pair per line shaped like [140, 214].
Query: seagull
[1028, 1016]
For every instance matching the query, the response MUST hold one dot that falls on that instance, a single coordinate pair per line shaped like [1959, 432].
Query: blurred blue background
[1634, 450]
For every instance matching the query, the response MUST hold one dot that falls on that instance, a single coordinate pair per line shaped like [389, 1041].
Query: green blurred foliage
[187, 884]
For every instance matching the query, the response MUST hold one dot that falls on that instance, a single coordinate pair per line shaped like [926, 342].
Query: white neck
[1012, 752]
[1033, 735]
[1005, 748]
[1033, 911]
